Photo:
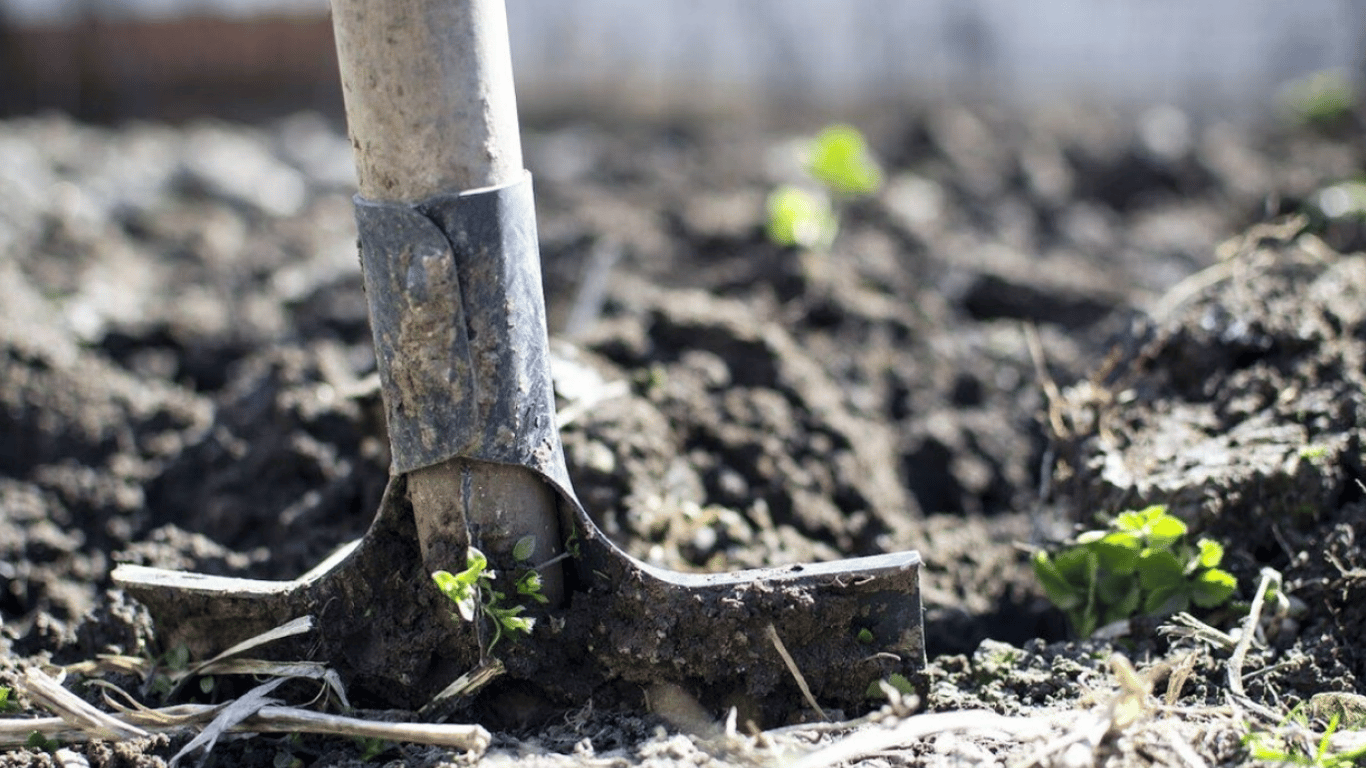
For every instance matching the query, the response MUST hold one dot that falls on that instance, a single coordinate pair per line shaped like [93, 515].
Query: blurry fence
[112, 58]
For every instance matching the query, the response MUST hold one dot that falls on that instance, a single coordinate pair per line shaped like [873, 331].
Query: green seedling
[841, 165]
[1322, 99]
[473, 593]
[36, 740]
[841, 160]
[800, 217]
[6, 705]
[1140, 565]
[1273, 748]
[372, 747]
[896, 681]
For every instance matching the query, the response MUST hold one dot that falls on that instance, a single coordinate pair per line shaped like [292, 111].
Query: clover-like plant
[840, 163]
[473, 592]
[1140, 565]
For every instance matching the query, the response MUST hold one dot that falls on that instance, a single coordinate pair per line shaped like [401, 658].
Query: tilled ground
[1038, 319]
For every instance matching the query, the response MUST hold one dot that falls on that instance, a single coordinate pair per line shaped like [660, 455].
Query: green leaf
[1213, 588]
[518, 623]
[1120, 592]
[1133, 522]
[1164, 530]
[1118, 552]
[840, 159]
[897, 681]
[1166, 600]
[446, 582]
[36, 740]
[798, 217]
[1084, 622]
[178, 658]
[461, 591]
[1078, 565]
[1320, 98]
[475, 564]
[1159, 570]
[523, 549]
[1211, 553]
[1059, 590]
[530, 586]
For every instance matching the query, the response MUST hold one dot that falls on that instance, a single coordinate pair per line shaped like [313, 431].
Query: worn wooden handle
[430, 103]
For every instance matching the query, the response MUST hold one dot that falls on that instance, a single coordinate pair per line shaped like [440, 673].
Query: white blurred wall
[1200, 54]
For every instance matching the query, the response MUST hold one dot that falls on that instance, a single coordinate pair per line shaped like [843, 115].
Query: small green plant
[840, 163]
[473, 593]
[1140, 565]
[897, 681]
[5, 704]
[1273, 748]
[841, 160]
[171, 663]
[801, 217]
[372, 747]
[36, 740]
[1322, 99]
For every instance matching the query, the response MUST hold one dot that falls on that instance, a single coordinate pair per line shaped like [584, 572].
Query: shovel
[452, 276]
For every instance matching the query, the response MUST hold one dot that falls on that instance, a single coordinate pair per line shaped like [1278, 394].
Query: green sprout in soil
[1274, 748]
[1322, 99]
[5, 704]
[372, 747]
[895, 681]
[801, 217]
[1141, 565]
[473, 594]
[841, 165]
[36, 740]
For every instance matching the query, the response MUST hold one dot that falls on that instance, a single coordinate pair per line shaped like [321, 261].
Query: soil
[1041, 319]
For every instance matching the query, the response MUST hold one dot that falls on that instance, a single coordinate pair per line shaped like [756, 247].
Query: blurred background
[107, 60]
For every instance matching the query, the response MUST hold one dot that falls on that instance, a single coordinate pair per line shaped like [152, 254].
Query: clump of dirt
[1033, 323]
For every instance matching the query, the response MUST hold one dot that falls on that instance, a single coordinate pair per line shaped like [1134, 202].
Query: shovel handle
[430, 103]
[431, 110]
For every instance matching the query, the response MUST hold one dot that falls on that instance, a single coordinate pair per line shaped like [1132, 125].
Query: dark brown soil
[1040, 319]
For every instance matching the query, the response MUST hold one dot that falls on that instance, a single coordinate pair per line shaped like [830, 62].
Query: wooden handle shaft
[430, 103]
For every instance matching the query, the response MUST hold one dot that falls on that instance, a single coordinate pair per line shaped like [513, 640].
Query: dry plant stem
[870, 742]
[464, 686]
[1254, 616]
[270, 719]
[796, 673]
[74, 712]
[78, 721]
[431, 108]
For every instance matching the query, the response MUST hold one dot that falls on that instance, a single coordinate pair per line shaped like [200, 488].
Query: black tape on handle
[454, 288]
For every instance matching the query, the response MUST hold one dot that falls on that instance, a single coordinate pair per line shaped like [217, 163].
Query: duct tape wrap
[454, 288]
